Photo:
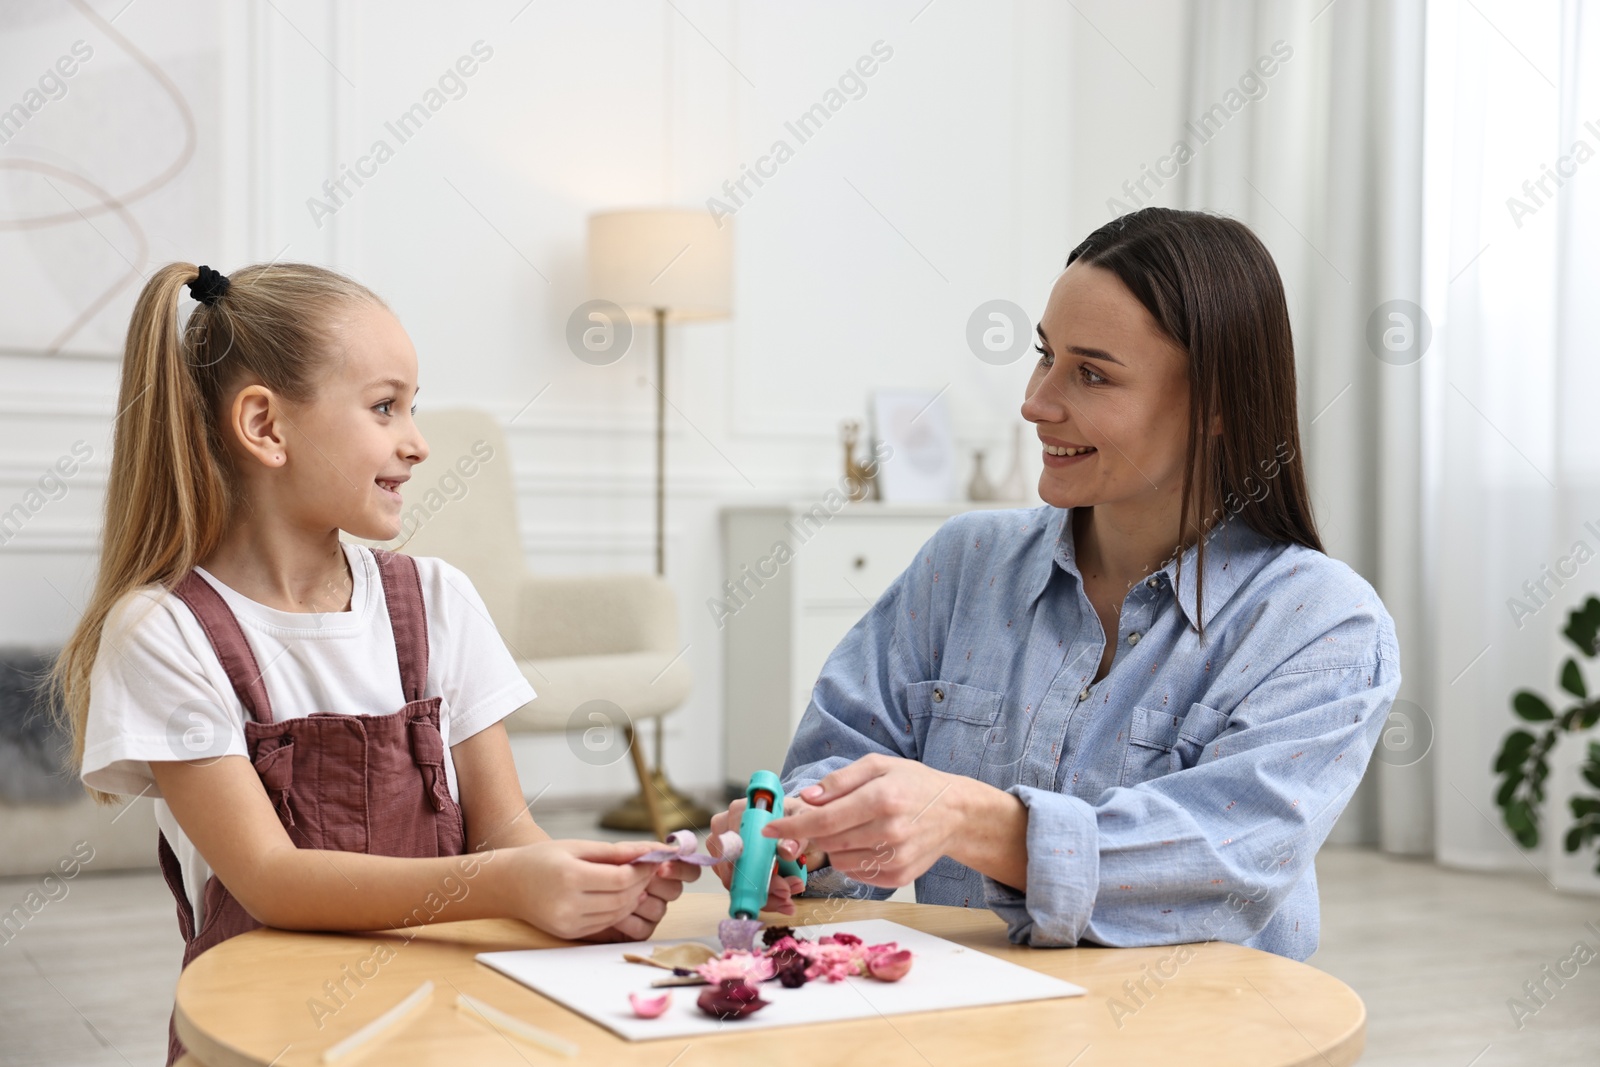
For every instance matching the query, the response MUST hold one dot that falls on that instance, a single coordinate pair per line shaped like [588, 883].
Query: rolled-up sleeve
[1209, 851]
[858, 705]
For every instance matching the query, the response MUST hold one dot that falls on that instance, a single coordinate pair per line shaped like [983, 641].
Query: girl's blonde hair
[170, 494]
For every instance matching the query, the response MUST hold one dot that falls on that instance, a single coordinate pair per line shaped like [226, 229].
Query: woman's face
[1111, 389]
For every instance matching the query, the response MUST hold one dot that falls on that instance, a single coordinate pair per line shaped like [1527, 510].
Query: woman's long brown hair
[170, 495]
[1211, 286]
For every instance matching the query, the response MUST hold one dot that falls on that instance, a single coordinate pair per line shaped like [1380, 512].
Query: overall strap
[408, 617]
[226, 637]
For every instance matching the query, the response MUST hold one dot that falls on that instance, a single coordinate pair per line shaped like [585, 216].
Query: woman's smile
[1059, 453]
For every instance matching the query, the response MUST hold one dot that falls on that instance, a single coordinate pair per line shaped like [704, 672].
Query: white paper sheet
[594, 981]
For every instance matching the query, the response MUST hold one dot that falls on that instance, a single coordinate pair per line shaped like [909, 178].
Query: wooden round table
[248, 1003]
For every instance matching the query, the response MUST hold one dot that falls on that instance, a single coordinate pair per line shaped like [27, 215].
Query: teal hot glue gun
[752, 871]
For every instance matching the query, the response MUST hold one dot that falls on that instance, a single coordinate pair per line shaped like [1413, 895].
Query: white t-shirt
[158, 692]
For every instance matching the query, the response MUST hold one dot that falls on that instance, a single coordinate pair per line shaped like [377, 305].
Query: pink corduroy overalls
[355, 783]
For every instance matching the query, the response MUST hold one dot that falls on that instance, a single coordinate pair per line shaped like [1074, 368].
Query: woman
[1131, 716]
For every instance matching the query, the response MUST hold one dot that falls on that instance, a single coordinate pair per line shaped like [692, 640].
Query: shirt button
[1083, 694]
[1151, 582]
[938, 696]
[1133, 638]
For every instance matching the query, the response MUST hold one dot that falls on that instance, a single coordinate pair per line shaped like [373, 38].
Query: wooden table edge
[1340, 1051]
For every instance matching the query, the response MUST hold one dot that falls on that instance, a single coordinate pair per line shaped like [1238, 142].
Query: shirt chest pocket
[1161, 742]
[952, 723]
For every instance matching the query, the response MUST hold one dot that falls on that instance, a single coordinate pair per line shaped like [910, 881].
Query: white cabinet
[796, 578]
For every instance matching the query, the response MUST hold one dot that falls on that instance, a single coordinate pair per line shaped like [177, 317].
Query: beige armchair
[606, 637]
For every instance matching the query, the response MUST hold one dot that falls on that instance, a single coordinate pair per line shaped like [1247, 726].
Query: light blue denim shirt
[1181, 798]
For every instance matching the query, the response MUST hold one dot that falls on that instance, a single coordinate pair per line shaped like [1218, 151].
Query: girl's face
[1111, 389]
[349, 448]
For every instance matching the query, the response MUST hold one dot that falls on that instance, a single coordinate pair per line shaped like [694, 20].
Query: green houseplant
[1523, 760]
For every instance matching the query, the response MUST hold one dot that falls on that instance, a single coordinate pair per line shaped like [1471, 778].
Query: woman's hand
[665, 886]
[884, 821]
[781, 893]
[577, 889]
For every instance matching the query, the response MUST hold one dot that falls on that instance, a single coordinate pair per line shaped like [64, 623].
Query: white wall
[980, 153]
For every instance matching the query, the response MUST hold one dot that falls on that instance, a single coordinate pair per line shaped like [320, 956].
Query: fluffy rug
[32, 747]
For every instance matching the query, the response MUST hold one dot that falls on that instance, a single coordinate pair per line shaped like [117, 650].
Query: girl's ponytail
[165, 462]
[169, 494]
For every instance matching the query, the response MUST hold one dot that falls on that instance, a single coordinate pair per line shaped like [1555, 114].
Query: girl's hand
[576, 889]
[781, 893]
[665, 886]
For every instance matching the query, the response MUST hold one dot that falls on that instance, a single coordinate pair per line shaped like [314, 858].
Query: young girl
[319, 723]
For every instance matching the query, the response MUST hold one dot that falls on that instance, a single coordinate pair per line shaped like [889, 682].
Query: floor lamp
[673, 265]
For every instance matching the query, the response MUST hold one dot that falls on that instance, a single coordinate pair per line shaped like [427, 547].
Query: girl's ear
[254, 425]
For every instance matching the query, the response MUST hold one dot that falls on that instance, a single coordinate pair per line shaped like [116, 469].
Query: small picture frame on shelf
[922, 466]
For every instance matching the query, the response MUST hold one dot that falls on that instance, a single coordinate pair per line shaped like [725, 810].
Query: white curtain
[1512, 278]
[1379, 167]
[1325, 164]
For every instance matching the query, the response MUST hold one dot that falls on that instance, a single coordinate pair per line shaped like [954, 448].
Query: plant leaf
[1508, 789]
[1572, 679]
[1583, 625]
[1513, 751]
[1531, 706]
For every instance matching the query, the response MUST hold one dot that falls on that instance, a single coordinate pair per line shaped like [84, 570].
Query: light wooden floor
[1434, 953]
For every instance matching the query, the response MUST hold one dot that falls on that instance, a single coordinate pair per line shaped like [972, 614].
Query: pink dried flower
[833, 962]
[834, 957]
[736, 966]
[648, 1007]
[889, 966]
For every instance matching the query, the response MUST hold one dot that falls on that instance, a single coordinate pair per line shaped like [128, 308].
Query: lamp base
[678, 812]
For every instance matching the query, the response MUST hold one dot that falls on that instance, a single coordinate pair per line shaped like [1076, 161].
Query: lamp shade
[677, 259]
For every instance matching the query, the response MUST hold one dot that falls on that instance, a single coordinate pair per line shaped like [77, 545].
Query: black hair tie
[209, 286]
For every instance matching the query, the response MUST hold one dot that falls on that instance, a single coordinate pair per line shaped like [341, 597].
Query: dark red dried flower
[775, 933]
[732, 999]
[791, 967]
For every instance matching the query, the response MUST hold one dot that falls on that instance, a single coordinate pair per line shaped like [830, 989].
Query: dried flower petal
[791, 964]
[737, 966]
[889, 966]
[688, 954]
[833, 962]
[731, 999]
[776, 933]
[648, 1007]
